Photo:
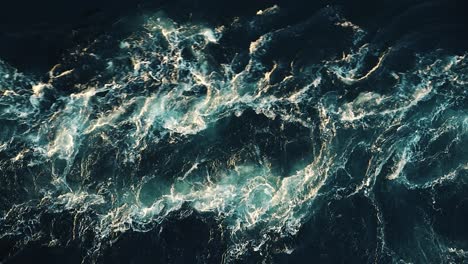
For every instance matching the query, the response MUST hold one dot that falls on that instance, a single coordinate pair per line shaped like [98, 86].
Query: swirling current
[271, 133]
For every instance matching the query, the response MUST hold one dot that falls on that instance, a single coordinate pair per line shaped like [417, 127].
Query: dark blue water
[234, 132]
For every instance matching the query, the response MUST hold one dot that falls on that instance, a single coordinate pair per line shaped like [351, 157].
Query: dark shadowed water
[211, 131]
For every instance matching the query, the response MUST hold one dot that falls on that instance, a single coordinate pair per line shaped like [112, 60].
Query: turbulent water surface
[283, 133]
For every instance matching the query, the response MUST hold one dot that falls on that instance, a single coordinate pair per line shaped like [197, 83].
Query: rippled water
[182, 144]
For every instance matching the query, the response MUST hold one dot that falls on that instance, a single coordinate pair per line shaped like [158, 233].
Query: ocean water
[216, 132]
